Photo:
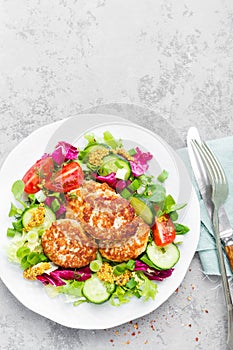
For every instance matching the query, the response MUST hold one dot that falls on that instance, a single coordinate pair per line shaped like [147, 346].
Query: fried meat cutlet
[67, 245]
[131, 248]
[103, 213]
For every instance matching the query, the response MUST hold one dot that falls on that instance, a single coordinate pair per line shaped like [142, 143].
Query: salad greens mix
[40, 200]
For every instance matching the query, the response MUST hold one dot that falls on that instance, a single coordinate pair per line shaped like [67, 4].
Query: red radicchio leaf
[151, 273]
[110, 179]
[81, 274]
[142, 157]
[64, 151]
[139, 165]
[47, 279]
[138, 169]
[55, 278]
[121, 184]
[48, 200]
[62, 209]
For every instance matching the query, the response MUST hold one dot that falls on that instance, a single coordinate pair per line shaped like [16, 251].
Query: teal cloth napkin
[223, 149]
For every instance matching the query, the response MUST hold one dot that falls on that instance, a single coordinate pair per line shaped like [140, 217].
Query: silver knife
[204, 186]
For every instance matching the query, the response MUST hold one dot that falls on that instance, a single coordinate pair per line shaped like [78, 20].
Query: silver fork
[219, 184]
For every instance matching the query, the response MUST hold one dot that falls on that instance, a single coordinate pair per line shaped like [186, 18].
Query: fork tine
[215, 170]
[215, 161]
[206, 160]
[213, 164]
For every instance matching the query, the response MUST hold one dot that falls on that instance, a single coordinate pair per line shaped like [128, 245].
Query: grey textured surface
[165, 65]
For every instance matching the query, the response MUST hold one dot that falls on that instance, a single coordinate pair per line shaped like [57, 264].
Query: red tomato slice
[41, 170]
[66, 179]
[163, 230]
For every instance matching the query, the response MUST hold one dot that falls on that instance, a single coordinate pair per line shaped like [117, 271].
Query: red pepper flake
[133, 334]
[177, 290]
[111, 340]
[130, 322]
[190, 325]
[152, 327]
[196, 339]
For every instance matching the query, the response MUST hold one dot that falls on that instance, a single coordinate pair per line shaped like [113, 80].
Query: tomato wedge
[163, 230]
[69, 177]
[41, 170]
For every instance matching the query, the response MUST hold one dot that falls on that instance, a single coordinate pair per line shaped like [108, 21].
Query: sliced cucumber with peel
[112, 163]
[143, 209]
[50, 217]
[96, 290]
[90, 149]
[95, 147]
[163, 257]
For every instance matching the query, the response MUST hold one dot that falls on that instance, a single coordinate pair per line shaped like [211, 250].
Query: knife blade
[205, 189]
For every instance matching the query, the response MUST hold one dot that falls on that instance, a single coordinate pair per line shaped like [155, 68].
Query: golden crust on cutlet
[103, 213]
[123, 250]
[67, 245]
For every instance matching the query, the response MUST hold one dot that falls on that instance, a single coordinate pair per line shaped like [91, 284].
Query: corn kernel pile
[106, 274]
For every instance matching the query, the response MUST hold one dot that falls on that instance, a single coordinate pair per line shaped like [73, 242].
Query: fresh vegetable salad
[93, 224]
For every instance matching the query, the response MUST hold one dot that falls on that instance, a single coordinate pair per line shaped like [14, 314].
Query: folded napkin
[223, 149]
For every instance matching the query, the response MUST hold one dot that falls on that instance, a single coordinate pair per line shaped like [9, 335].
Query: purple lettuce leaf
[121, 184]
[152, 273]
[139, 165]
[62, 209]
[110, 179]
[56, 277]
[142, 157]
[47, 279]
[64, 151]
[138, 169]
[81, 274]
[48, 201]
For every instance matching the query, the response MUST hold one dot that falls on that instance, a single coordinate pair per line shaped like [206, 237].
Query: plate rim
[194, 199]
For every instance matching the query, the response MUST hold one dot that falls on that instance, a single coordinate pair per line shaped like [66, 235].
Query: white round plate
[90, 316]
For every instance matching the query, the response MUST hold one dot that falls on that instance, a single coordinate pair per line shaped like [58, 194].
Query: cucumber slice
[93, 148]
[163, 257]
[27, 216]
[144, 209]
[96, 290]
[84, 155]
[95, 265]
[112, 163]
